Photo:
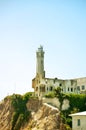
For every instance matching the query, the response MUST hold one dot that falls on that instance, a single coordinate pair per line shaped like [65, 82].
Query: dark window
[83, 87]
[42, 89]
[51, 88]
[54, 81]
[47, 88]
[46, 81]
[36, 88]
[71, 89]
[68, 89]
[60, 84]
[78, 122]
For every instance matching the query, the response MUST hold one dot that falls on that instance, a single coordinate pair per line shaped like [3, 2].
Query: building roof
[79, 114]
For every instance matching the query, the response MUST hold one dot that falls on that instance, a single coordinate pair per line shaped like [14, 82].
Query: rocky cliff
[6, 111]
[46, 118]
[43, 116]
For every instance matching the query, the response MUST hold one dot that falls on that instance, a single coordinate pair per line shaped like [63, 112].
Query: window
[60, 84]
[42, 88]
[47, 88]
[71, 89]
[46, 81]
[68, 89]
[36, 88]
[83, 87]
[78, 122]
[54, 81]
[51, 88]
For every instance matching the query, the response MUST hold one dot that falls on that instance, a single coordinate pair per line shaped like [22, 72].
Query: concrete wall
[55, 102]
[67, 86]
[82, 123]
[80, 83]
[52, 101]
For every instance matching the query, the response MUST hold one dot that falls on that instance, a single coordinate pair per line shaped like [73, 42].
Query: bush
[21, 114]
[50, 95]
[14, 119]
[19, 122]
[27, 96]
[77, 101]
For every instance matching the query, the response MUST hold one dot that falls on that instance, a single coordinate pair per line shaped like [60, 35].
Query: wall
[82, 124]
[67, 86]
[81, 82]
[55, 102]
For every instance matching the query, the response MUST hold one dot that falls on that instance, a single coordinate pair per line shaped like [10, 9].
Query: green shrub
[50, 95]
[21, 114]
[19, 122]
[27, 96]
[77, 101]
[14, 119]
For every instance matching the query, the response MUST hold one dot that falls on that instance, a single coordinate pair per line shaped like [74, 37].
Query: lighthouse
[40, 62]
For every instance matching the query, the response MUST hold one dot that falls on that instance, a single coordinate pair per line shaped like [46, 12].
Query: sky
[58, 25]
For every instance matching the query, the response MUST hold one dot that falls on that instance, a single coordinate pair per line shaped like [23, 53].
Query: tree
[59, 95]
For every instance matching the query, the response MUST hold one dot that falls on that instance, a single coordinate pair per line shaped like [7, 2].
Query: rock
[43, 116]
[46, 118]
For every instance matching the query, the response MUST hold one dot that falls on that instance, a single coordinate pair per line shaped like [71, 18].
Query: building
[79, 121]
[43, 85]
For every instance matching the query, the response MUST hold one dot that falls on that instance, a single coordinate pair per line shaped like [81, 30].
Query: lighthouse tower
[40, 62]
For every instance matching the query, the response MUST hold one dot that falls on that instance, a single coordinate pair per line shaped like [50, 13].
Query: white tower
[40, 62]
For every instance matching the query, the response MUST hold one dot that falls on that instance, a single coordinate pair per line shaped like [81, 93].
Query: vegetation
[50, 95]
[20, 114]
[77, 103]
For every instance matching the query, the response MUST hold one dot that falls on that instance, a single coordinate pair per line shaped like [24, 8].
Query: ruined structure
[43, 85]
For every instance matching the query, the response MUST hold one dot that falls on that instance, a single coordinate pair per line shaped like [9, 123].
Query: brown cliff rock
[44, 116]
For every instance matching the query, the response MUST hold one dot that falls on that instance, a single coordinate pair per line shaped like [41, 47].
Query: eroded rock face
[46, 118]
[34, 104]
[6, 111]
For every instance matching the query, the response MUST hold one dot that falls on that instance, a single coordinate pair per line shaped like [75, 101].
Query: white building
[43, 85]
[79, 121]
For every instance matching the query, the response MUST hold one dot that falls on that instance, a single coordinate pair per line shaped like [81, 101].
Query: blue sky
[58, 25]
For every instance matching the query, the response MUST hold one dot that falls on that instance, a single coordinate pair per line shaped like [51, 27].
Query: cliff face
[44, 116]
[6, 111]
